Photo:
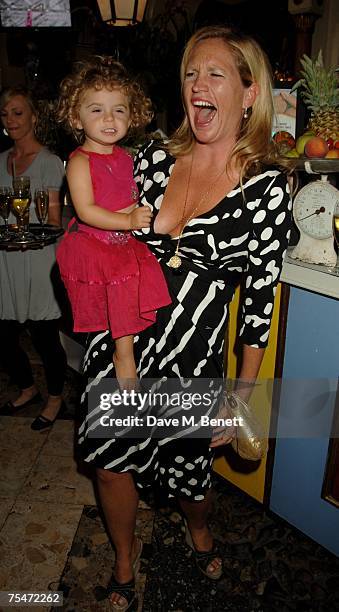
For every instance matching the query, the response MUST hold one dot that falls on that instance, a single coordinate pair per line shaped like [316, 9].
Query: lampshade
[122, 12]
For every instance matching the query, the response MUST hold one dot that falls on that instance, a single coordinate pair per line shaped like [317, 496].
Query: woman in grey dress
[27, 293]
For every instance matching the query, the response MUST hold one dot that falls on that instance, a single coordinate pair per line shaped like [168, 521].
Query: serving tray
[52, 233]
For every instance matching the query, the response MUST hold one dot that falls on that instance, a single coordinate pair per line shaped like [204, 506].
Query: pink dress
[113, 281]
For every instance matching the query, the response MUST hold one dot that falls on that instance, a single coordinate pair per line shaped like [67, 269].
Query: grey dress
[26, 288]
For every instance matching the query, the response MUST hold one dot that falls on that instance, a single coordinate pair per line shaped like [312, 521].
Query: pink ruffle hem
[116, 286]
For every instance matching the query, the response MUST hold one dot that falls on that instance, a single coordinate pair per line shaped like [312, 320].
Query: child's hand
[140, 217]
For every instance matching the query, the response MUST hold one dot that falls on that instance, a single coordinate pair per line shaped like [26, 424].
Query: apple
[302, 140]
[336, 144]
[330, 143]
[332, 154]
[316, 147]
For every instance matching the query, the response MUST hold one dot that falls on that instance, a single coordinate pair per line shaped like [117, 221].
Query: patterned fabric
[239, 238]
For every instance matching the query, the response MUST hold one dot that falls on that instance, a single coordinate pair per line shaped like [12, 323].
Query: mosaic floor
[52, 535]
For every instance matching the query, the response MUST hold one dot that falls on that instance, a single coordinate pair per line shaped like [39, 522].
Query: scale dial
[314, 207]
[313, 210]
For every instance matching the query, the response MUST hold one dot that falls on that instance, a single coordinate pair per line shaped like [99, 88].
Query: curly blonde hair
[254, 147]
[100, 72]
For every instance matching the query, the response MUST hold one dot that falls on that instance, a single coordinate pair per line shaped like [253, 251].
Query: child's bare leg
[124, 362]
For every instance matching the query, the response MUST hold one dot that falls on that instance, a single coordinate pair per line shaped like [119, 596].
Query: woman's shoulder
[267, 175]
[48, 156]
[50, 168]
[270, 187]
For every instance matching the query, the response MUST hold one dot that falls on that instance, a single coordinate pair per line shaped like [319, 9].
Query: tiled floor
[52, 536]
[42, 494]
[42, 499]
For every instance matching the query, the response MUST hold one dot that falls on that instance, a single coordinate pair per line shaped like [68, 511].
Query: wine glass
[336, 231]
[41, 198]
[21, 199]
[23, 182]
[5, 206]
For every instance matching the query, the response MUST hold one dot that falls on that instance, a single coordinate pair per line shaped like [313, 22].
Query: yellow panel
[252, 483]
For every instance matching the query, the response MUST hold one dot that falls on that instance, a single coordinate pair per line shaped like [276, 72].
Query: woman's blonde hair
[10, 92]
[100, 72]
[254, 147]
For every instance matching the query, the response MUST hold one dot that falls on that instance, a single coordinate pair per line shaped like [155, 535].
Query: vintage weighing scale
[313, 211]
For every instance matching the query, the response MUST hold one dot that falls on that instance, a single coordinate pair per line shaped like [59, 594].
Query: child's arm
[80, 186]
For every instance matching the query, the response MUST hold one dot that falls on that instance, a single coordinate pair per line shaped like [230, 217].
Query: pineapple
[321, 96]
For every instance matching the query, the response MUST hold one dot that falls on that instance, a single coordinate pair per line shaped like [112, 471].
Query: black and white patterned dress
[238, 237]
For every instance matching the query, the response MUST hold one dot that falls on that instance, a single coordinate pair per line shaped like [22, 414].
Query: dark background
[151, 50]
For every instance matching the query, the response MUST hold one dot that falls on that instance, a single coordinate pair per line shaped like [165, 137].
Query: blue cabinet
[307, 401]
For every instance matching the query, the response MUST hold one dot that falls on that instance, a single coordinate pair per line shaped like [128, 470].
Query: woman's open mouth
[204, 112]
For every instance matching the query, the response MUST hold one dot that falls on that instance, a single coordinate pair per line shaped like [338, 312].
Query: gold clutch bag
[250, 441]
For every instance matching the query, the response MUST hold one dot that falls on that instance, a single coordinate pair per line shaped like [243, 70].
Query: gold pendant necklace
[175, 261]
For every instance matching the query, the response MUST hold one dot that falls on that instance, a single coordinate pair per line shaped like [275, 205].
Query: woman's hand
[224, 434]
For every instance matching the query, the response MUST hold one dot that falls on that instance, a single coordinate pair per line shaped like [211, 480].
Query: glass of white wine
[5, 207]
[22, 182]
[21, 199]
[41, 198]
[336, 232]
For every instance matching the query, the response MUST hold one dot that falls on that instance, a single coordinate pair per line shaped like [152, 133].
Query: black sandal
[204, 558]
[126, 590]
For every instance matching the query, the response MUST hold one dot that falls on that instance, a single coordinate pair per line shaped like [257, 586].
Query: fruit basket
[317, 149]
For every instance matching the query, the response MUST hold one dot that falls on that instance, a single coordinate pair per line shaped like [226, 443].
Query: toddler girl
[112, 280]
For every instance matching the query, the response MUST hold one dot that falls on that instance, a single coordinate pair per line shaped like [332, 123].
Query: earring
[5, 132]
[245, 115]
